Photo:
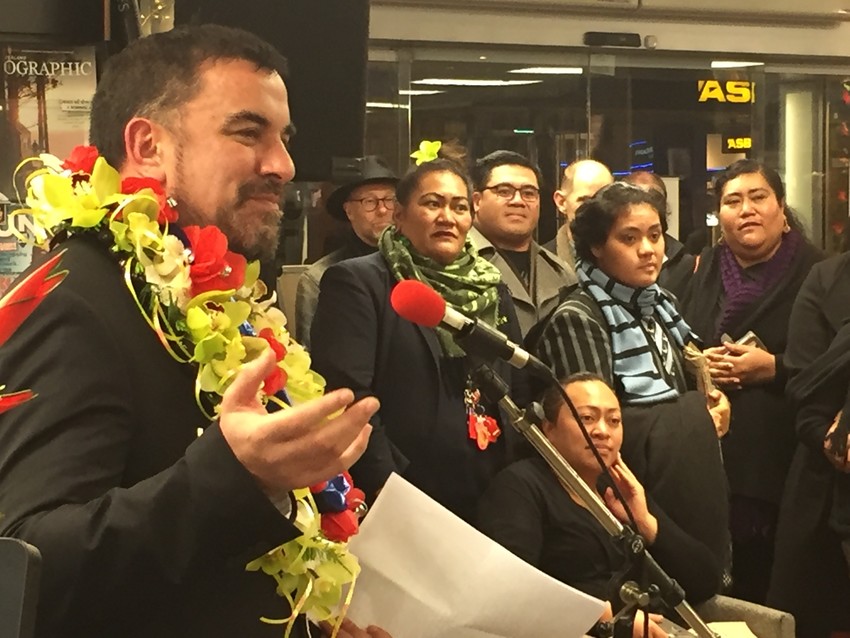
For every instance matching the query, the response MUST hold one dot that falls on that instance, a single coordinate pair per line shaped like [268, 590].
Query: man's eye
[252, 134]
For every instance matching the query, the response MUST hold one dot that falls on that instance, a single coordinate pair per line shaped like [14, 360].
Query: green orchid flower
[427, 152]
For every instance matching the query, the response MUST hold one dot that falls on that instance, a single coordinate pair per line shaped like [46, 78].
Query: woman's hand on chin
[635, 497]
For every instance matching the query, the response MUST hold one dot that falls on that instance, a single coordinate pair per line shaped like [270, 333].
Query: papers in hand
[699, 366]
[427, 574]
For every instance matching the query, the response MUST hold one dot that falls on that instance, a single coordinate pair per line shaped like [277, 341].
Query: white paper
[428, 574]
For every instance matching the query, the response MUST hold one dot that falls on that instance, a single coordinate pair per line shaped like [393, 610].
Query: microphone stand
[527, 423]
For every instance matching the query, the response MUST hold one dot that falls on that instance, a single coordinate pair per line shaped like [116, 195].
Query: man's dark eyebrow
[245, 117]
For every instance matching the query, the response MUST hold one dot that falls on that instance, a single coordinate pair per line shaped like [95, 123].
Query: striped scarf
[632, 353]
[468, 284]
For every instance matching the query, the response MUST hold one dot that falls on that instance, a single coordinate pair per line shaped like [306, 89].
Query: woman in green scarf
[433, 427]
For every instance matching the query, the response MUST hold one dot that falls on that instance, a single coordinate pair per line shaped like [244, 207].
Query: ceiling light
[550, 70]
[460, 82]
[733, 64]
[386, 105]
[418, 92]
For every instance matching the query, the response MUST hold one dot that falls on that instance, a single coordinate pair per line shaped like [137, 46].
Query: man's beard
[254, 237]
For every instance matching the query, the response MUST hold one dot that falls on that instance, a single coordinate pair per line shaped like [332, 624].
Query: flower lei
[203, 302]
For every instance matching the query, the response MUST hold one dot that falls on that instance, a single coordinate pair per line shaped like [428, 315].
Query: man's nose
[278, 162]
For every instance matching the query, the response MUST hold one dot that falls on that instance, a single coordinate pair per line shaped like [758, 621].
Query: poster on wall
[45, 103]
[15, 255]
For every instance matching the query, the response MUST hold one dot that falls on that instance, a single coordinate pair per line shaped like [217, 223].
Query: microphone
[420, 304]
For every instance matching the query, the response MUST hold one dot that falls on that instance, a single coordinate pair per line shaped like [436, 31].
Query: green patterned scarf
[468, 284]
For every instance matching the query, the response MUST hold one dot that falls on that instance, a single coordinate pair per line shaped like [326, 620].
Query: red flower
[275, 382]
[339, 526]
[130, 185]
[21, 300]
[81, 159]
[213, 266]
[9, 401]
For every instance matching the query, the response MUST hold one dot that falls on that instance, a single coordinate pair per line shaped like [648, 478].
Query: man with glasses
[507, 206]
[367, 203]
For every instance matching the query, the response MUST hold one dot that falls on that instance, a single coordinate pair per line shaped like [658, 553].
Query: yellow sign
[739, 143]
[733, 91]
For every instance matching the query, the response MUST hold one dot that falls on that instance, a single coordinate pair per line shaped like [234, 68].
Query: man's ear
[346, 207]
[559, 197]
[144, 143]
[476, 201]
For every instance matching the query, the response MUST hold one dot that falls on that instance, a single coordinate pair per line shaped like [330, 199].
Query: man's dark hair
[450, 158]
[158, 74]
[484, 167]
[596, 216]
[553, 400]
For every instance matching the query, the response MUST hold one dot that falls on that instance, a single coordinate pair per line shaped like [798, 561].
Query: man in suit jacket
[144, 511]
[507, 207]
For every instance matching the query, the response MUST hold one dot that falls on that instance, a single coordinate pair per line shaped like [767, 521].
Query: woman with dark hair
[677, 267]
[527, 511]
[618, 323]
[747, 284]
[433, 426]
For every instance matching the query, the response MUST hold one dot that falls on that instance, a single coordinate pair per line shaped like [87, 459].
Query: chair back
[20, 568]
[764, 622]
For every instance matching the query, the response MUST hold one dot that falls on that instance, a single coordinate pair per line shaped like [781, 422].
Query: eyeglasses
[507, 191]
[370, 204]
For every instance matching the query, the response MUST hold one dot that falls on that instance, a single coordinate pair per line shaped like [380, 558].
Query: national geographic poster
[15, 255]
[45, 101]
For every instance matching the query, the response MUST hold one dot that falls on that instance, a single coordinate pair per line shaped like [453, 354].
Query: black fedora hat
[354, 172]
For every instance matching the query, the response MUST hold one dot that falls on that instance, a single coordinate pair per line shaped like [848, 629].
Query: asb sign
[733, 91]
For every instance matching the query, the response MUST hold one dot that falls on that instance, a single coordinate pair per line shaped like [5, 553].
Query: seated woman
[748, 282]
[527, 510]
[433, 427]
[618, 323]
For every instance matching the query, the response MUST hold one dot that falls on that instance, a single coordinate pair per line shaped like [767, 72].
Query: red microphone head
[418, 303]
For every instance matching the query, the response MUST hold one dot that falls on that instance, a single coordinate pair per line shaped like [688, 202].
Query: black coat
[526, 510]
[809, 576]
[144, 527]
[757, 450]
[420, 431]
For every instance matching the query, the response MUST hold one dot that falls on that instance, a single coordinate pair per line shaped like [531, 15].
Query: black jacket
[757, 450]
[420, 431]
[809, 576]
[144, 527]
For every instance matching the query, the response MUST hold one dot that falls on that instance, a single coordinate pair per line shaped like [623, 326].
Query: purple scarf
[741, 291]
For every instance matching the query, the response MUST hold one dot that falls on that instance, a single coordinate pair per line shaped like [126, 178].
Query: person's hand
[840, 463]
[654, 630]
[635, 497]
[735, 365]
[637, 631]
[349, 630]
[294, 447]
[720, 410]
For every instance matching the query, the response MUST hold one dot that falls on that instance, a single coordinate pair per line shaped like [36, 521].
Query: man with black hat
[367, 203]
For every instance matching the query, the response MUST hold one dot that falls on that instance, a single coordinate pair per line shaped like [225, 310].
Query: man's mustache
[261, 188]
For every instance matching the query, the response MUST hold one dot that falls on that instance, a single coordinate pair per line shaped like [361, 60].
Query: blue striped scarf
[632, 354]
